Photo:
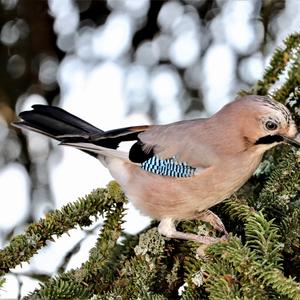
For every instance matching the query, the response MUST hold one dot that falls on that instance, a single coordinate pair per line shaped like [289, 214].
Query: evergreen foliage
[261, 260]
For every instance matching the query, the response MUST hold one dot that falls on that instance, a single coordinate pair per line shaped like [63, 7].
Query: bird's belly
[181, 198]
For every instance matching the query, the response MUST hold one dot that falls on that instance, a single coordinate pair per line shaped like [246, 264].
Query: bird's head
[264, 122]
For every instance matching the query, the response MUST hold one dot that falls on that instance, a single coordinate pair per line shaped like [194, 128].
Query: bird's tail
[71, 130]
[55, 122]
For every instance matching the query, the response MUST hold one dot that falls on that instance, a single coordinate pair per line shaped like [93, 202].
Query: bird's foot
[211, 218]
[167, 228]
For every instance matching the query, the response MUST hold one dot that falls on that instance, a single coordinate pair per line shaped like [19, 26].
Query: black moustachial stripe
[269, 139]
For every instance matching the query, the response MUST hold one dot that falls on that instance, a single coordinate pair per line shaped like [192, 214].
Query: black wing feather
[138, 154]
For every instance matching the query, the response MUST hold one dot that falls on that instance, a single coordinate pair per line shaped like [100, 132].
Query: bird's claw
[224, 238]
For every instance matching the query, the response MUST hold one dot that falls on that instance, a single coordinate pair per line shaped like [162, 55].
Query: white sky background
[99, 84]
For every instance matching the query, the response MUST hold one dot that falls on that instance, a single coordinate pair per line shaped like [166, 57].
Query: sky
[99, 84]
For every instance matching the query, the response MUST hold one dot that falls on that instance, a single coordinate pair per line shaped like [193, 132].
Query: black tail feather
[56, 122]
[67, 128]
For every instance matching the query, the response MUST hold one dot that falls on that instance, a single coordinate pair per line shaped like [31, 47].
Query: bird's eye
[270, 125]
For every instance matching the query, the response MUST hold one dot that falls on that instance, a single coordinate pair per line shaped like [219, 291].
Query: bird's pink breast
[181, 198]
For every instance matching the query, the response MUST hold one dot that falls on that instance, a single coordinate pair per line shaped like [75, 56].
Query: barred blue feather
[168, 167]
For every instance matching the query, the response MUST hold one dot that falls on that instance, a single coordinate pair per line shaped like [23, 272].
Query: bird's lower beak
[295, 141]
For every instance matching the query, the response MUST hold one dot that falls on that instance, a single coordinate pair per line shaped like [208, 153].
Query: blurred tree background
[161, 60]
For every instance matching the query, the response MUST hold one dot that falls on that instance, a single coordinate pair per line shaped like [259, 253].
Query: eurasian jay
[178, 171]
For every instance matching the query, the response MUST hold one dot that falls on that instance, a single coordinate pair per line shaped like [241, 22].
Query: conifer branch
[139, 272]
[277, 65]
[235, 272]
[94, 273]
[238, 270]
[293, 79]
[24, 246]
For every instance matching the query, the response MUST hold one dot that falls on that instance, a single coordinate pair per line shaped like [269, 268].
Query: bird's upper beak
[293, 141]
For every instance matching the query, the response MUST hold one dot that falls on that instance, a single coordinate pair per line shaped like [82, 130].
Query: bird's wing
[182, 140]
[169, 150]
[155, 157]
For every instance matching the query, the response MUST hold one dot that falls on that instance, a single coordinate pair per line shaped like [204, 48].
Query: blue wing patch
[168, 167]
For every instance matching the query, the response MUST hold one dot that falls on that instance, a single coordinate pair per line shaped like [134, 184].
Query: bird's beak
[295, 142]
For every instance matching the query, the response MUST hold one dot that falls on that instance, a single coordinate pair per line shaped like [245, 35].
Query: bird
[178, 171]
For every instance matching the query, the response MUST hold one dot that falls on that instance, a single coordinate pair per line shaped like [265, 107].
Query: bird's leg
[167, 228]
[211, 218]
